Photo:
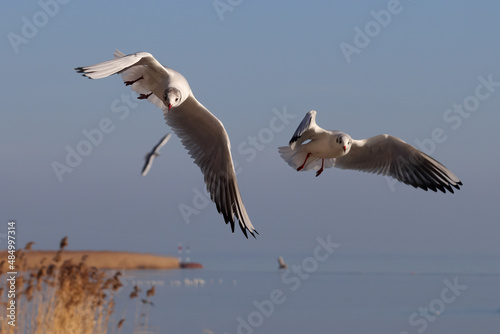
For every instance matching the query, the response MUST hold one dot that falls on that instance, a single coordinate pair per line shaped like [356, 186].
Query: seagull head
[172, 97]
[345, 141]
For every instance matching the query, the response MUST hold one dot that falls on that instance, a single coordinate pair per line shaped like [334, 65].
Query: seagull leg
[307, 157]
[321, 169]
[144, 96]
[128, 83]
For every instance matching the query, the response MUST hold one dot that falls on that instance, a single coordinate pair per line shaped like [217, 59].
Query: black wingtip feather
[245, 232]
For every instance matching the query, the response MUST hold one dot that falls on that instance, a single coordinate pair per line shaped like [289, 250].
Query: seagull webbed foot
[128, 83]
[300, 167]
[144, 96]
[318, 173]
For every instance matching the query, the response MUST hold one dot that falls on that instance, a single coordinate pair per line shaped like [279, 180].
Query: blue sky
[247, 65]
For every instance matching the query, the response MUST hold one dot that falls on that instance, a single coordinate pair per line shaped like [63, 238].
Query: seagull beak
[169, 106]
[345, 148]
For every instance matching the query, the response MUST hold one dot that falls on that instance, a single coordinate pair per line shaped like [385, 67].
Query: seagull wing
[147, 163]
[206, 140]
[391, 156]
[153, 154]
[121, 63]
[162, 143]
[132, 67]
[301, 134]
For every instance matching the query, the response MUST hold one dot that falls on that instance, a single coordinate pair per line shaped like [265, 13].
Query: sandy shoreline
[99, 259]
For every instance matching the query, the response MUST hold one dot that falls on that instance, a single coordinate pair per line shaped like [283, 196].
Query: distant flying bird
[312, 147]
[155, 152]
[64, 242]
[120, 323]
[201, 133]
[282, 264]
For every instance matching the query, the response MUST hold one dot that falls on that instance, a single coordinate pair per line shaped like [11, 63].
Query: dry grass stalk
[63, 243]
[61, 298]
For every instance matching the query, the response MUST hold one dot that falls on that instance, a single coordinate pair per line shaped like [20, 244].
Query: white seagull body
[312, 147]
[155, 152]
[201, 133]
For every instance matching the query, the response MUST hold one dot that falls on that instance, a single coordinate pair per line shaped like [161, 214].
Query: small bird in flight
[155, 152]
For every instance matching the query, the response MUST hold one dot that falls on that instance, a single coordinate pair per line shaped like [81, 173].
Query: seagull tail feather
[296, 157]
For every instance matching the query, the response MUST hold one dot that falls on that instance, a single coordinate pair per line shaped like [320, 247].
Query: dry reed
[62, 297]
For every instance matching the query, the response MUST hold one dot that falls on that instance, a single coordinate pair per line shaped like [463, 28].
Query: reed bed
[62, 296]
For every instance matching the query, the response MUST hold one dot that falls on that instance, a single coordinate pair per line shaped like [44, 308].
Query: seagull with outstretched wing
[312, 147]
[155, 152]
[201, 133]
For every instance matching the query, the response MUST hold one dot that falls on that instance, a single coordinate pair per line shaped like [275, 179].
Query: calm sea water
[319, 294]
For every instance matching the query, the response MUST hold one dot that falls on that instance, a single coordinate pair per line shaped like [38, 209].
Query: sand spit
[98, 259]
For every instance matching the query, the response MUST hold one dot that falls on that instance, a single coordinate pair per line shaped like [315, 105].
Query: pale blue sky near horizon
[261, 60]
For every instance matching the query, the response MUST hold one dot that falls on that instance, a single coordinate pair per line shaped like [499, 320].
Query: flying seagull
[201, 133]
[155, 152]
[312, 147]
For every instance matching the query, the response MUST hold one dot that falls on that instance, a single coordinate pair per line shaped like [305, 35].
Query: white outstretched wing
[391, 156]
[151, 78]
[121, 63]
[162, 143]
[206, 140]
[148, 162]
[132, 67]
[300, 135]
